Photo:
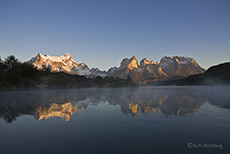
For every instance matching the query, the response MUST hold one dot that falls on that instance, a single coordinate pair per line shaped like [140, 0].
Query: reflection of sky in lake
[115, 120]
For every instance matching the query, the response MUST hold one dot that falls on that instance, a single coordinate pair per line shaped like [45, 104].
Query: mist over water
[116, 120]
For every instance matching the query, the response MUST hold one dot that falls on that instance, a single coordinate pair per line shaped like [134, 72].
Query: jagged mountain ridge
[145, 72]
[148, 71]
[180, 67]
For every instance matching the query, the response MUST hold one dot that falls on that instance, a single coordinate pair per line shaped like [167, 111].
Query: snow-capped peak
[63, 63]
[180, 66]
[65, 57]
[183, 60]
[165, 61]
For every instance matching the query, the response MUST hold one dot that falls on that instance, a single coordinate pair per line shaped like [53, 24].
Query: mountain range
[169, 68]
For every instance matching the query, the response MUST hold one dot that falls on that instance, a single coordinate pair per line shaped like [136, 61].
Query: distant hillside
[17, 75]
[215, 75]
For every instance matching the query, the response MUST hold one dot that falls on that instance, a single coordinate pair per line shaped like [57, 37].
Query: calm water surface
[116, 121]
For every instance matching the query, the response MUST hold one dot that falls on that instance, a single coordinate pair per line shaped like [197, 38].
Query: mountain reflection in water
[178, 101]
[64, 111]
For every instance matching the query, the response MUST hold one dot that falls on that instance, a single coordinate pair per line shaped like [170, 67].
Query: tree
[11, 62]
[3, 68]
[1, 62]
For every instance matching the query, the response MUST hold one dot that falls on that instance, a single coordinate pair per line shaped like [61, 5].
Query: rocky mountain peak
[144, 62]
[39, 56]
[66, 57]
[133, 57]
[129, 63]
[179, 67]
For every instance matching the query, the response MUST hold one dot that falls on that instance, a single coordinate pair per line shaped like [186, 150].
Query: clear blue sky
[103, 32]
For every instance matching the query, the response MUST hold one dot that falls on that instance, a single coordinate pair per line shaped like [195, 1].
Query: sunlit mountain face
[167, 102]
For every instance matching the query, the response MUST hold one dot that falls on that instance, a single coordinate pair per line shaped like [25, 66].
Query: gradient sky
[101, 33]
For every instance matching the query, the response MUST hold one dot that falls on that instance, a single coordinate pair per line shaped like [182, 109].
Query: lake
[116, 120]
